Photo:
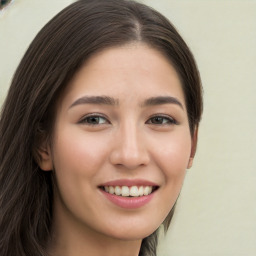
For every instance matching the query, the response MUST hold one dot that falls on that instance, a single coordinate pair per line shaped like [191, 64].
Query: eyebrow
[106, 100]
[99, 100]
[160, 100]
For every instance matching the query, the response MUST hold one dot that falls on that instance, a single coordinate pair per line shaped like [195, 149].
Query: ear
[44, 158]
[193, 148]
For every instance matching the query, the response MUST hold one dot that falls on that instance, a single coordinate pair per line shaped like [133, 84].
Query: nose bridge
[130, 138]
[130, 150]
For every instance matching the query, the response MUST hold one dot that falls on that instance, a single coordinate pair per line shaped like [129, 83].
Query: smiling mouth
[133, 191]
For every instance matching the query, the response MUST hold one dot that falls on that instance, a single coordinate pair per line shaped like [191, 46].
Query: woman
[97, 131]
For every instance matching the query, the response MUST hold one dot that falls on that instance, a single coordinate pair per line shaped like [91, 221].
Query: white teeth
[141, 191]
[118, 191]
[147, 190]
[111, 190]
[134, 191]
[126, 191]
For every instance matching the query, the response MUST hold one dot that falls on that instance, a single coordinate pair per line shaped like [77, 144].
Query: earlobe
[193, 148]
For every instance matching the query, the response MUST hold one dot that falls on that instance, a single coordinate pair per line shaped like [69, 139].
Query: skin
[123, 141]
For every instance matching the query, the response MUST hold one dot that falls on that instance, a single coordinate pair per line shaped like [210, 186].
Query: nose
[130, 150]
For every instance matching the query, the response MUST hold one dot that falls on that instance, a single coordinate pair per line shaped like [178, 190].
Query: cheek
[75, 153]
[78, 160]
[173, 154]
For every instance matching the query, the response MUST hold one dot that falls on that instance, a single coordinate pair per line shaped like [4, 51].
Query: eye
[161, 120]
[94, 120]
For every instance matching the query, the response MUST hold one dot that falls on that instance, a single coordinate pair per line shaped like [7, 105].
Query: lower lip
[128, 202]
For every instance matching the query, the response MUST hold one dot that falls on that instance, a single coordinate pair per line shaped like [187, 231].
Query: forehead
[130, 72]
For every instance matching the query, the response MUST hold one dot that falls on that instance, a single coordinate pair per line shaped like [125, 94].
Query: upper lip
[129, 183]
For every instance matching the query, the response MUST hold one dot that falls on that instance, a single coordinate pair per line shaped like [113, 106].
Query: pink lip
[128, 202]
[129, 183]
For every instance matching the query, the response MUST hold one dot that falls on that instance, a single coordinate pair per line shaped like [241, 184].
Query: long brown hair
[57, 52]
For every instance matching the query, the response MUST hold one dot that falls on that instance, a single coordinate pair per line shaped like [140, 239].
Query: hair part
[27, 118]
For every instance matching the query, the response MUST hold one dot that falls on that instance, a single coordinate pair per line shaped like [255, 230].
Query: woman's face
[121, 144]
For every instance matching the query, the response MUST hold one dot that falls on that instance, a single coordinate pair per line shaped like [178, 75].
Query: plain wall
[216, 211]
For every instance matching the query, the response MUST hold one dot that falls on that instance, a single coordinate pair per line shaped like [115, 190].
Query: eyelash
[96, 117]
[85, 120]
[170, 120]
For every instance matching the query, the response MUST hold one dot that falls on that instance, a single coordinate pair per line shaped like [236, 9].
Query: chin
[132, 232]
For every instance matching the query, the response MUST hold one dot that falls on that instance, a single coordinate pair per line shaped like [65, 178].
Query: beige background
[216, 213]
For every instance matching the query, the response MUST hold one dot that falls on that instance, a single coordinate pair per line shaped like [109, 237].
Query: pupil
[158, 120]
[93, 120]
